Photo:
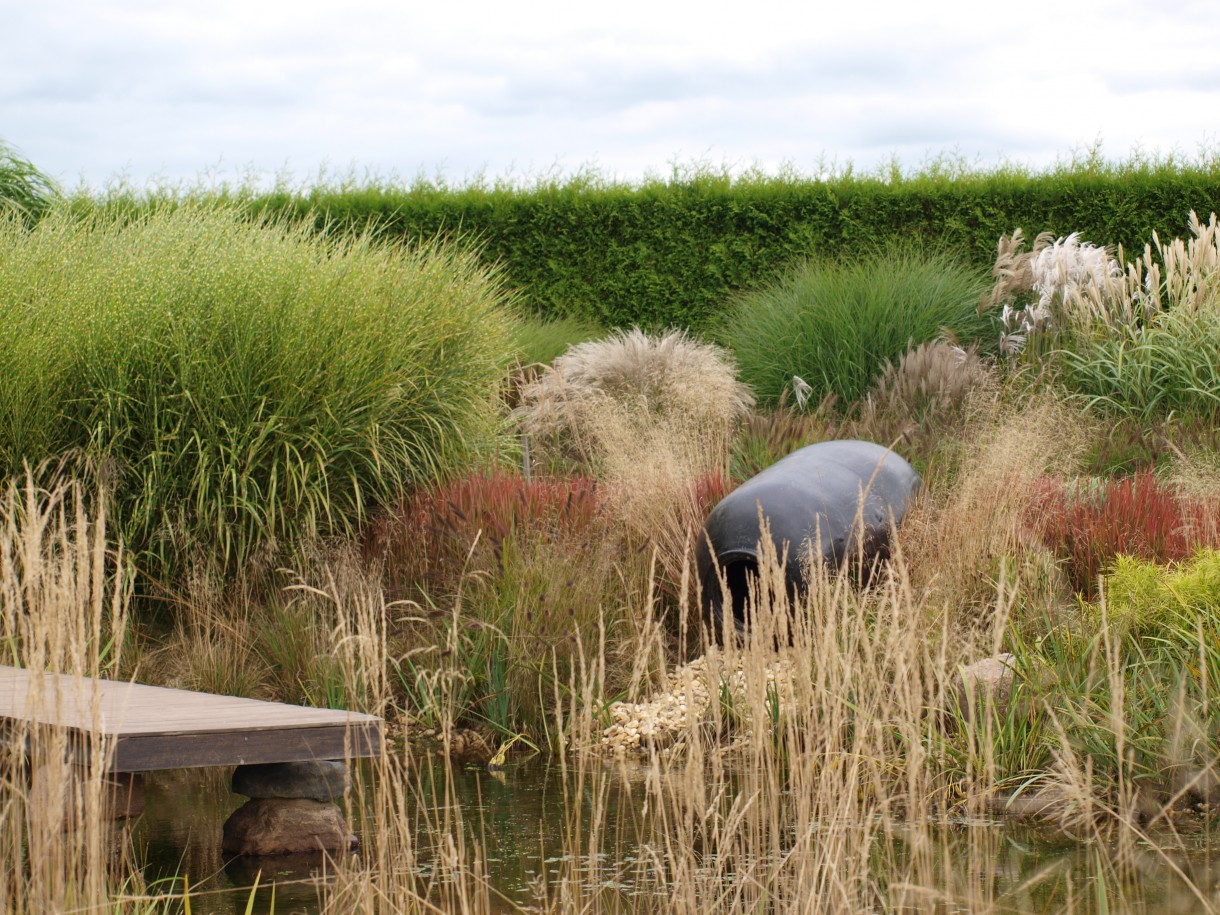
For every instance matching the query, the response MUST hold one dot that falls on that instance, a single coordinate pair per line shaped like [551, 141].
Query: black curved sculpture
[810, 498]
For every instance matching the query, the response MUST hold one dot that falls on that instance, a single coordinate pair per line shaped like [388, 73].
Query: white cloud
[171, 89]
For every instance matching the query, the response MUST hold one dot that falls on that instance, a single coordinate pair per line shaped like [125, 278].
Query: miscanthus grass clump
[241, 385]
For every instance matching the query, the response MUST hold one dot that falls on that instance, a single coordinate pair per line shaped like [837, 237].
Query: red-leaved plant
[440, 532]
[1088, 523]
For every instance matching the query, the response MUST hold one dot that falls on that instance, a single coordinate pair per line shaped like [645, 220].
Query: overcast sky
[158, 89]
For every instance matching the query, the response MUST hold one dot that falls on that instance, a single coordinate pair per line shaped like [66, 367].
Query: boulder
[320, 780]
[279, 826]
[984, 682]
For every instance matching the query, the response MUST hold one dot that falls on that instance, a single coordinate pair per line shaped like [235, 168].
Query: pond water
[518, 819]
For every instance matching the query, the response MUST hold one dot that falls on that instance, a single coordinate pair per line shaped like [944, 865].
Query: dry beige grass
[656, 471]
[920, 401]
[819, 790]
[61, 604]
[1180, 275]
[651, 418]
[1175, 275]
[931, 377]
[966, 531]
[63, 607]
[822, 790]
[1013, 270]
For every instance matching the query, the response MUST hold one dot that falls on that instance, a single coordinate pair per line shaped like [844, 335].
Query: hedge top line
[675, 253]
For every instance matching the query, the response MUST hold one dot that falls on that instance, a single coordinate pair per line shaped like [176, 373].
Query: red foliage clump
[1088, 524]
[676, 543]
[708, 490]
[427, 541]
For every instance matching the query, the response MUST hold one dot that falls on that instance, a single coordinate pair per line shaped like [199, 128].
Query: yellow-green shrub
[1143, 598]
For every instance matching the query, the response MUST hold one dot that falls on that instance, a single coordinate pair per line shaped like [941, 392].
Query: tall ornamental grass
[540, 341]
[61, 610]
[1170, 366]
[1161, 355]
[835, 325]
[24, 190]
[241, 385]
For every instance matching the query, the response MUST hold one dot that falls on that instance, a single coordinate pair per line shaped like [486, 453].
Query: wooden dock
[156, 728]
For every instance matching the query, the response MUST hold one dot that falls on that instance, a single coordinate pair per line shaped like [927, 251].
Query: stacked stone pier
[287, 756]
[291, 809]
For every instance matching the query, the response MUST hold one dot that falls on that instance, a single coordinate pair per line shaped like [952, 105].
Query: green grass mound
[241, 385]
[835, 325]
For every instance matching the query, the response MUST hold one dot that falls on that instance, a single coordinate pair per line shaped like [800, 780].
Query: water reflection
[527, 842]
[179, 837]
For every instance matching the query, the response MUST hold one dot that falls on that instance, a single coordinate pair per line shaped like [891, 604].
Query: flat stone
[279, 826]
[1052, 806]
[320, 780]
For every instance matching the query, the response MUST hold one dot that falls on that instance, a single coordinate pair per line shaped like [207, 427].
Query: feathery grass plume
[1177, 275]
[1014, 284]
[25, 192]
[832, 324]
[658, 377]
[1164, 356]
[921, 399]
[929, 378]
[1061, 282]
[537, 342]
[1107, 304]
[1191, 277]
[248, 384]
[1065, 267]
[1013, 269]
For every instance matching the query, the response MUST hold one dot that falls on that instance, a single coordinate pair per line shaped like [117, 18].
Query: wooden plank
[154, 727]
[186, 751]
